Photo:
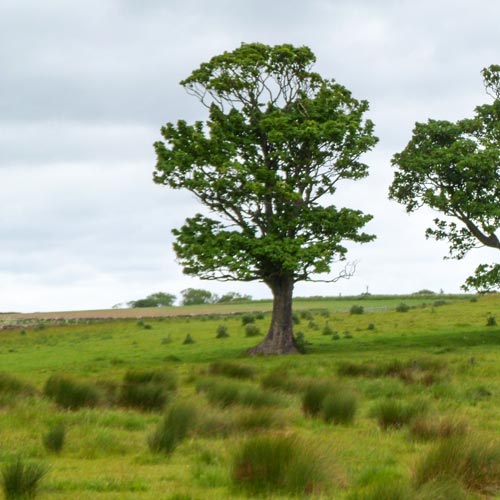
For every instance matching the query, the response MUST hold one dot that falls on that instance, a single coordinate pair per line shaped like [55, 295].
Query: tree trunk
[279, 339]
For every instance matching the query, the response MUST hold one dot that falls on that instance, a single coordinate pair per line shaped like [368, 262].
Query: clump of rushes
[71, 394]
[252, 330]
[339, 406]
[280, 380]
[356, 309]
[313, 397]
[395, 414]
[221, 332]
[188, 340]
[12, 385]
[384, 490]
[21, 479]
[53, 439]
[426, 429]
[173, 429]
[247, 319]
[276, 464]
[232, 370]
[472, 462]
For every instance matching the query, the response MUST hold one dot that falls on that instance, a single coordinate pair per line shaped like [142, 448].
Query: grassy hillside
[437, 364]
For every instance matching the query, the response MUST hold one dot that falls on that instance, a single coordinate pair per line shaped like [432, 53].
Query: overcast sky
[86, 85]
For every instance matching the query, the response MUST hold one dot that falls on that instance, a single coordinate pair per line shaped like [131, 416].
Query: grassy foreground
[384, 405]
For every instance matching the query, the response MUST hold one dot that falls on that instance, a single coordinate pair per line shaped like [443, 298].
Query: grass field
[379, 405]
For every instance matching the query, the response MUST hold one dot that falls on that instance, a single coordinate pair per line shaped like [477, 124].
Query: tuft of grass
[339, 406]
[173, 429]
[188, 340]
[391, 413]
[71, 394]
[221, 332]
[426, 429]
[247, 319]
[402, 308]
[252, 330]
[232, 370]
[388, 490]
[443, 489]
[491, 320]
[327, 329]
[356, 309]
[53, 439]
[13, 386]
[313, 397]
[276, 464]
[147, 390]
[225, 393]
[281, 380]
[472, 462]
[21, 479]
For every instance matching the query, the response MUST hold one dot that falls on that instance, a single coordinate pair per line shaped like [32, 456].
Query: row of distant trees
[189, 296]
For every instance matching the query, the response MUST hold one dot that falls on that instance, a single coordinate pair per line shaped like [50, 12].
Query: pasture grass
[441, 358]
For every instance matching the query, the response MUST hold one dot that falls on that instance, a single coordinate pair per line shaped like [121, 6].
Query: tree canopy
[454, 168]
[158, 299]
[266, 165]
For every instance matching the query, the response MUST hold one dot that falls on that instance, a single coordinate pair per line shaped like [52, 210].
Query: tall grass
[21, 479]
[173, 429]
[392, 413]
[472, 462]
[71, 394]
[276, 464]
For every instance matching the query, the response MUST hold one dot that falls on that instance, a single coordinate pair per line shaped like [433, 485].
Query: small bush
[21, 479]
[339, 407]
[221, 332]
[173, 429]
[232, 370]
[314, 394]
[327, 329]
[491, 321]
[71, 394]
[188, 340]
[252, 330]
[53, 439]
[247, 319]
[395, 414]
[355, 309]
[300, 342]
[402, 308]
[276, 464]
[473, 463]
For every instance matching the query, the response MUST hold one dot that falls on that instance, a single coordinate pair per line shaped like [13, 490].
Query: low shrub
[53, 439]
[276, 464]
[21, 479]
[221, 332]
[233, 370]
[252, 330]
[339, 407]
[391, 413]
[173, 429]
[71, 394]
[472, 462]
[327, 329]
[247, 319]
[356, 309]
[402, 308]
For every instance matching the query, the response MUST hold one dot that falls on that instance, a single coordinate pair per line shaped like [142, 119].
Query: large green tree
[454, 168]
[266, 164]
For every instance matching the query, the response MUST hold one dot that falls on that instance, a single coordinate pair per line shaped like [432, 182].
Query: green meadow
[388, 402]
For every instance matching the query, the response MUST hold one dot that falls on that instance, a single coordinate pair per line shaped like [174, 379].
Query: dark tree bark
[279, 339]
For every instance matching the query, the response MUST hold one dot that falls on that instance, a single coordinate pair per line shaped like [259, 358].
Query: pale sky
[86, 85]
